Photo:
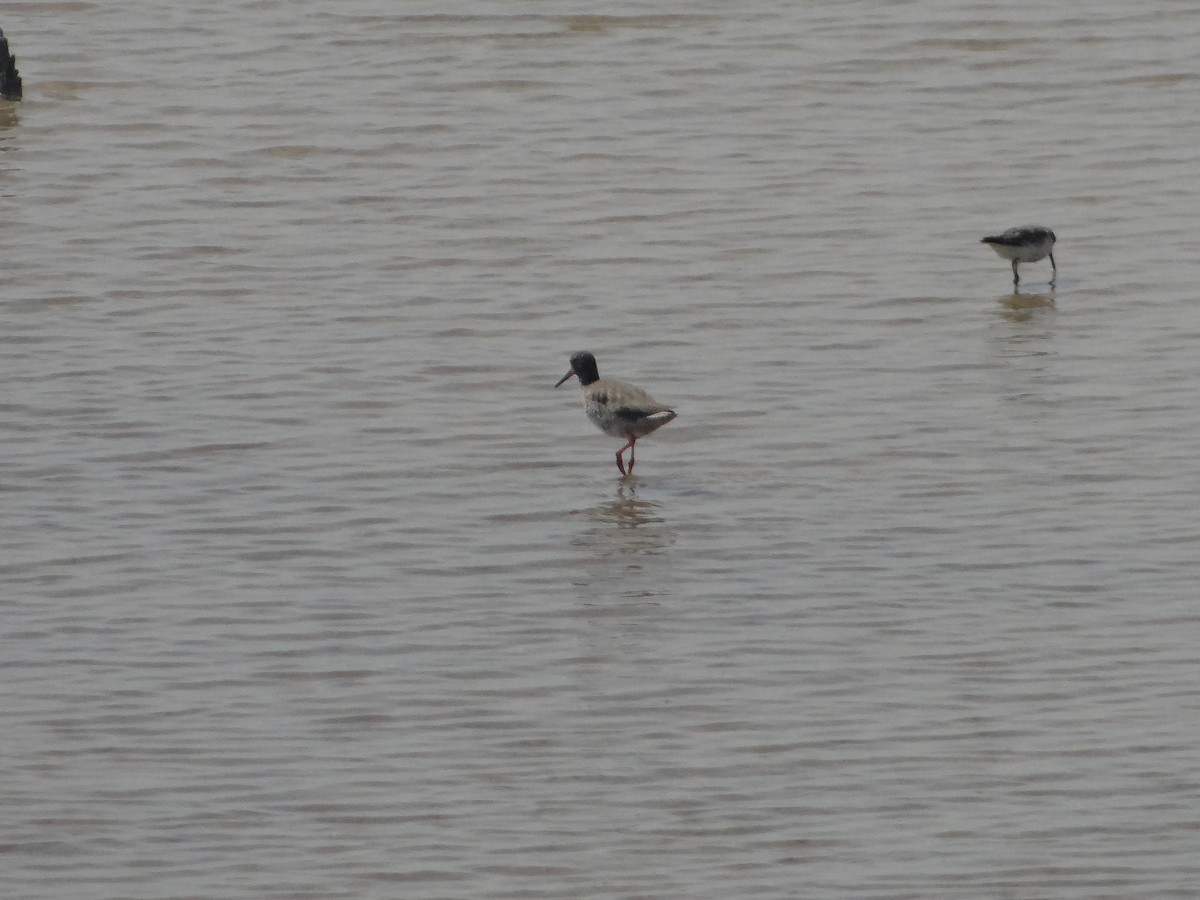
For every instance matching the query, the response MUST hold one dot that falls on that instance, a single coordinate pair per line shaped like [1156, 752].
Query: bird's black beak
[565, 377]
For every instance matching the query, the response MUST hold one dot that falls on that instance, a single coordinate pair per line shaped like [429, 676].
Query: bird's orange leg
[621, 462]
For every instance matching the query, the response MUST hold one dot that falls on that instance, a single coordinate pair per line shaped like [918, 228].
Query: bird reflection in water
[625, 560]
[624, 529]
[1022, 307]
[626, 510]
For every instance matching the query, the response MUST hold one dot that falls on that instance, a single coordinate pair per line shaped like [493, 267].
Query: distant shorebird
[10, 78]
[1025, 244]
[618, 409]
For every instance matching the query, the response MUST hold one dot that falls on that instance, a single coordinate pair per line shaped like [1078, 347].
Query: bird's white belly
[1026, 253]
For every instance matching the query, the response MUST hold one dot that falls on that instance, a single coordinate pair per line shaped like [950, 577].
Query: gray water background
[312, 586]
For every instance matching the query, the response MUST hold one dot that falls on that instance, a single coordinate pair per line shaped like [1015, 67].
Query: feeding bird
[1024, 244]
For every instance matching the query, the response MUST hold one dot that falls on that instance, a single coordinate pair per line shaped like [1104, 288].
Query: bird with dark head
[618, 409]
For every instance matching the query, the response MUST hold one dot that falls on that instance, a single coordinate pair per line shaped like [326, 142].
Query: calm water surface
[312, 586]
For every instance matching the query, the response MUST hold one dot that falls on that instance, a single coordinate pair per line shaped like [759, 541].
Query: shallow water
[314, 587]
